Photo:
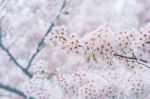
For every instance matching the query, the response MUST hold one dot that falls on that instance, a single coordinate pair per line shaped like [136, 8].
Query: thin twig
[145, 64]
[128, 57]
[140, 61]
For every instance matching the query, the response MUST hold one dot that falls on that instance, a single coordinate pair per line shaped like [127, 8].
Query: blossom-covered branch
[105, 64]
[100, 44]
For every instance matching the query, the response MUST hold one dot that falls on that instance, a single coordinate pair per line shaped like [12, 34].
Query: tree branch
[12, 57]
[13, 90]
[139, 61]
[38, 49]
[40, 45]
[134, 58]
[14, 60]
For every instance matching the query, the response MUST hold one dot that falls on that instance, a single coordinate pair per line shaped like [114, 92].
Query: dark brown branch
[41, 43]
[12, 57]
[13, 90]
[38, 49]
[14, 60]
[134, 58]
[144, 64]
[140, 61]
[143, 61]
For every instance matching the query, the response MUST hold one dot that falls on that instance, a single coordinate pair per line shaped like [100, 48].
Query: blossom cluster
[105, 44]
[117, 66]
[82, 84]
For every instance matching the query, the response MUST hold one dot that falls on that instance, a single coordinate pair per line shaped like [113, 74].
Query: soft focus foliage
[97, 49]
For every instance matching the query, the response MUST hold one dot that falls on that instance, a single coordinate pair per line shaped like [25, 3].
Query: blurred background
[24, 24]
